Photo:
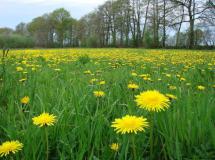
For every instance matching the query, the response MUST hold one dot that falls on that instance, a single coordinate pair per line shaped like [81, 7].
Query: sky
[12, 12]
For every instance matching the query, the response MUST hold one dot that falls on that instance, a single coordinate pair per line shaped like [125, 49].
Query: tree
[125, 23]
[39, 29]
[194, 10]
[6, 31]
[21, 29]
[61, 20]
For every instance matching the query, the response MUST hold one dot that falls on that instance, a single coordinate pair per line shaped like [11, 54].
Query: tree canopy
[121, 23]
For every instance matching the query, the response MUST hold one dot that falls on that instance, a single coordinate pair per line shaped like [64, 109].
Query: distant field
[63, 82]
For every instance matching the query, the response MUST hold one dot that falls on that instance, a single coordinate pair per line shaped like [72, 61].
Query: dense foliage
[125, 23]
[16, 41]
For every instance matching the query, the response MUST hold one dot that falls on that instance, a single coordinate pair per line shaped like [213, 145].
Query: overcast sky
[13, 12]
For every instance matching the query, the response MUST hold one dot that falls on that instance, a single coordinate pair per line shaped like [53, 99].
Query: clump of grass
[84, 59]
[4, 56]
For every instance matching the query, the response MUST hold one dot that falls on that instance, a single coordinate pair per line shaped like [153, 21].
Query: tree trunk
[192, 23]
[179, 29]
[155, 23]
[146, 17]
[164, 24]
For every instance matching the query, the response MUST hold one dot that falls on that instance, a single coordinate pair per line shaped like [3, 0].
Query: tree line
[121, 23]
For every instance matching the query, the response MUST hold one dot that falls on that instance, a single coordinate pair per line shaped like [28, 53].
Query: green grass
[83, 129]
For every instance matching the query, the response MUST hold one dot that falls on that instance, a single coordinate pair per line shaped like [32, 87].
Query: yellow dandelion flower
[102, 82]
[93, 80]
[147, 79]
[182, 79]
[24, 62]
[134, 74]
[168, 75]
[87, 72]
[172, 87]
[144, 75]
[201, 88]
[33, 69]
[188, 84]
[23, 80]
[152, 101]
[114, 146]
[45, 119]
[25, 100]
[19, 69]
[171, 96]
[99, 93]
[57, 69]
[133, 86]
[10, 147]
[129, 124]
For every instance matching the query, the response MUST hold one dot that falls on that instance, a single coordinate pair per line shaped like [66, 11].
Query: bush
[16, 41]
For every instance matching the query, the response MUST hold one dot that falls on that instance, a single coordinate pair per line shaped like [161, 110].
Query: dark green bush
[16, 41]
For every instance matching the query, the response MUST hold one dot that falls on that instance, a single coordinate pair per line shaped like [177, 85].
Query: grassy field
[63, 82]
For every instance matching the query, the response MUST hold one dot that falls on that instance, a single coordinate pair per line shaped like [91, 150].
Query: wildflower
[102, 82]
[144, 75]
[201, 88]
[168, 75]
[129, 124]
[19, 69]
[87, 72]
[182, 79]
[134, 74]
[114, 146]
[170, 96]
[45, 119]
[93, 80]
[99, 93]
[172, 87]
[147, 78]
[152, 101]
[25, 100]
[57, 69]
[23, 80]
[178, 75]
[133, 86]
[24, 62]
[10, 147]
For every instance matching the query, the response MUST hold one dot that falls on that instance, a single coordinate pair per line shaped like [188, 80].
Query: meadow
[85, 91]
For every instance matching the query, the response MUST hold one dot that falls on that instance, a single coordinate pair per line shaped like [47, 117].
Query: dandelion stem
[133, 147]
[151, 136]
[97, 106]
[47, 143]
[127, 147]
